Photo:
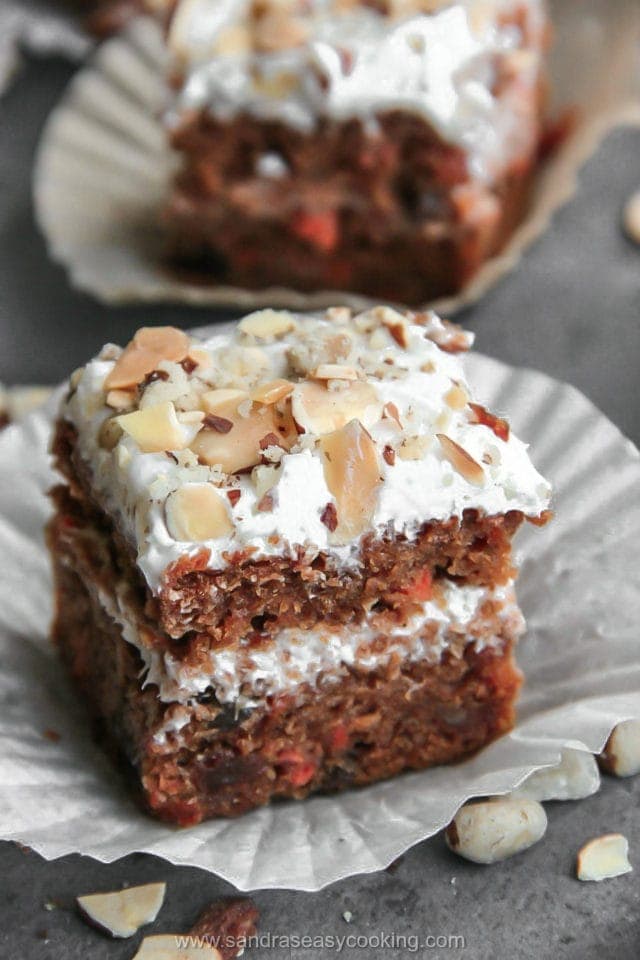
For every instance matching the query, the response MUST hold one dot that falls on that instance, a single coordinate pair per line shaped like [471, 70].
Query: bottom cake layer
[205, 759]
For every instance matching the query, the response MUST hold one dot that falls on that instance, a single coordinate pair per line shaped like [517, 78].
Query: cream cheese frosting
[429, 455]
[245, 675]
[436, 60]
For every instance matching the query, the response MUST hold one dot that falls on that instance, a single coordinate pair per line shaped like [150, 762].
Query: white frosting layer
[245, 675]
[134, 486]
[356, 62]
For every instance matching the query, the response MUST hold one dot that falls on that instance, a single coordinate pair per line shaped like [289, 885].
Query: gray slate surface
[572, 310]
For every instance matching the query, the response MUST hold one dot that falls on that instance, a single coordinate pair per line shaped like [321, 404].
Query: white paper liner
[103, 166]
[580, 590]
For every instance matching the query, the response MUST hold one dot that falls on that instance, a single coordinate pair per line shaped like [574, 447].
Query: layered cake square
[384, 147]
[282, 555]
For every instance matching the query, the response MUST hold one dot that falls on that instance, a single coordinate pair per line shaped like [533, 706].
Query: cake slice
[282, 555]
[384, 147]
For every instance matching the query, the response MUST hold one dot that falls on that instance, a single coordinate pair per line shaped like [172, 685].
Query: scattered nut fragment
[461, 461]
[267, 324]
[121, 914]
[272, 392]
[264, 477]
[109, 433]
[457, 397]
[631, 217]
[174, 946]
[197, 512]
[121, 399]
[414, 448]
[333, 371]
[231, 921]
[279, 31]
[603, 857]
[239, 448]
[319, 410]
[621, 755]
[488, 831]
[149, 346]
[157, 428]
[223, 402]
[576, 776]
[233, 40]
[353, 476]
[499, 426]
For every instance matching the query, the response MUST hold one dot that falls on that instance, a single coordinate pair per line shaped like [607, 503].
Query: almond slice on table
[175, 946]
[488, 831]
[319, 410]
[122, 913]
[603, 858]
[197, 512]
[352, 474]
[142, 355]
[621, 755]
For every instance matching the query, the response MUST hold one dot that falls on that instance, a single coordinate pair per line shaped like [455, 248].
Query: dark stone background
[572, 309]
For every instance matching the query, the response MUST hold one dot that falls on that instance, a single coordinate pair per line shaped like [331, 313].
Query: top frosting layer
[288, 433]
[298, 60]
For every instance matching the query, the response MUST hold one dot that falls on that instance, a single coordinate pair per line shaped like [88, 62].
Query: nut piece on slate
[157, 428]
[352, 474]
[175, 946]
[603, 857]
[197, 512]
[576, 776]
[121, 914]
[621, 755]
[142, 355]
[230, 921]
[267, 324]
[461, 461]
[319, 410]
[631, 217]
[237, 447]
[492, 830]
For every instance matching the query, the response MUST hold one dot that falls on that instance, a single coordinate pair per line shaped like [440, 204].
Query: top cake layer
[295, 61]
[289, 434]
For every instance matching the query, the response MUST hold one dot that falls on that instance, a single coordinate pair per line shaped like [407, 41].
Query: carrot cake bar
[282, 555]
[384, 147]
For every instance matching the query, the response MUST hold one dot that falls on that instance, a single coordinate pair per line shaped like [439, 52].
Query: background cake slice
[379, 147]
[283, 555]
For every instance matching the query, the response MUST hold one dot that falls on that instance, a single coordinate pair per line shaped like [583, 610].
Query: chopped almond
[499, 426]
[334, 371]
[272, 392]
[414, 448]
[155, 428]
[239, 448]
[223, 402]
[197, 512]
[142, 355]
[121, 399]
[353, 476]
[462, 461]
[457, 397]
[267, 324]
[603, 858]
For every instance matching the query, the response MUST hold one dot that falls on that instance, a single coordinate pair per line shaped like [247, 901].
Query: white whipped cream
[358, 63]
[133, 486]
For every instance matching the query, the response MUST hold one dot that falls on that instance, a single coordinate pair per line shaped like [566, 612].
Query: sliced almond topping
[391, 412]
[353, 476]
[197, 512]
[389, 455]
[603, 857]
[334, 371]
[339, 314]
[272, 392]
[499, 426]
[155, 428]
[121, 399]
[223, 402]
[279, 31]
[148, 348]
[164, 946]
[264, 478]
[267, 324]
[319, 411]
[399, 331]
[239, 447]
[233, 40]
[200, 356]
[457, 397]
[121, 914]
[461, 461]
